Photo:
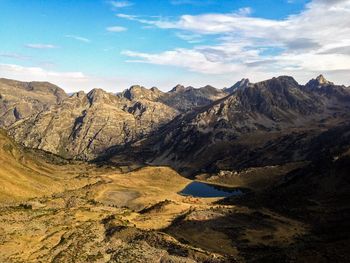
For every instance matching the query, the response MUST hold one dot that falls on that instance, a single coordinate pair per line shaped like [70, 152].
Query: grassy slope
[22, 176]
[82, 224]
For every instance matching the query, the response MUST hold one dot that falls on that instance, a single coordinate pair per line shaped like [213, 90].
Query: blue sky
[85, 44]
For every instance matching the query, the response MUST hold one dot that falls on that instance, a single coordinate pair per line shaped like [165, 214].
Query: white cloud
[14, 56]
[70, 81]
[41, 46]
[37, 72]
[192, 60]
[79, 38]
[160, 23]
[116, 29]
[120, 4]
[245, 11]
[189, 37]
[315, 40]
[192, 2]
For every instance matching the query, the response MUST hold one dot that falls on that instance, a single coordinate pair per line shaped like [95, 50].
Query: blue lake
[198, 189]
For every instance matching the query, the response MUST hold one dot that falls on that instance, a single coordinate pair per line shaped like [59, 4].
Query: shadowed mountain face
[239, 85]
[270, 122]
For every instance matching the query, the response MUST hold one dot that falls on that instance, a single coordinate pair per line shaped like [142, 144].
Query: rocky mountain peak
[322, 80]
[209, 88]
[80, 94]
[23, 99]
[243, 83]
[319, 82]
[136, 92]
[277, 84]
[136, 87]
[286, 80]
[178, 88]
[155, 89]
[98, 95]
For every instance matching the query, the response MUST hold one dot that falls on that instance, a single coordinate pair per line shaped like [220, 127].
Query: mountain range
[96, 177]
[249, 124]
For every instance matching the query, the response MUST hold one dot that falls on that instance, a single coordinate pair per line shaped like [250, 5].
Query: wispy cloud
[71, 81]
[116, 29]
[316, 39]
[245, 11]
[79, 38]
[192, 2]
[189, 37]
[120, 4]
[39, 73]
[14, 56]
[192, 60]
[68, 80]
[41, 46]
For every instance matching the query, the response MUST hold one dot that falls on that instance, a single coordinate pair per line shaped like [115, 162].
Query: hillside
[24, 174]
[20, 100]
[85, 125]
[282, 145]
[268, 123]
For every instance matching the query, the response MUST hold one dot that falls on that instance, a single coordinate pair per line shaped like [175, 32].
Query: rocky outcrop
[137, 92]
[84, 126]
[238, 85]
[187, 128]
[262, 124]
[187, 99]
[20, 100]
[328, 89]
[319, 82]
[180, 98]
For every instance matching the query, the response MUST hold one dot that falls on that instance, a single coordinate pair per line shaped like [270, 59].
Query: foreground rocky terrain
[286, 145]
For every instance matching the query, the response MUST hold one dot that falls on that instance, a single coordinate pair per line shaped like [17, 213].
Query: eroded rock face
[319, 82]
[203, 127]
[182, 99]
[84, 126]
[20, 100]
[137, 92]
[257, 125]
[238, 85]
[328, 89]
[187, 99]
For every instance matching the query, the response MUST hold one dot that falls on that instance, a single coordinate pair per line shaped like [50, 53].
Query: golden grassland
[78, 212]
[24, 176]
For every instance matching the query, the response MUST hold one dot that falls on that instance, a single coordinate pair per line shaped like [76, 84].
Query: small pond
[198, 189]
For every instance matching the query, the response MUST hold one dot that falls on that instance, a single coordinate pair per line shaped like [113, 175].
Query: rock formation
[20, 100]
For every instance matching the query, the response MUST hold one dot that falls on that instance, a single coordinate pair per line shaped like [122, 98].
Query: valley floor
[55, 211]
[136, 217]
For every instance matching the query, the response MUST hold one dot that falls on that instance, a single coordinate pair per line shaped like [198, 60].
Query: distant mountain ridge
[265, 123]
[85, 125]
[183, 127]
[180, 98]
[20, 100]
